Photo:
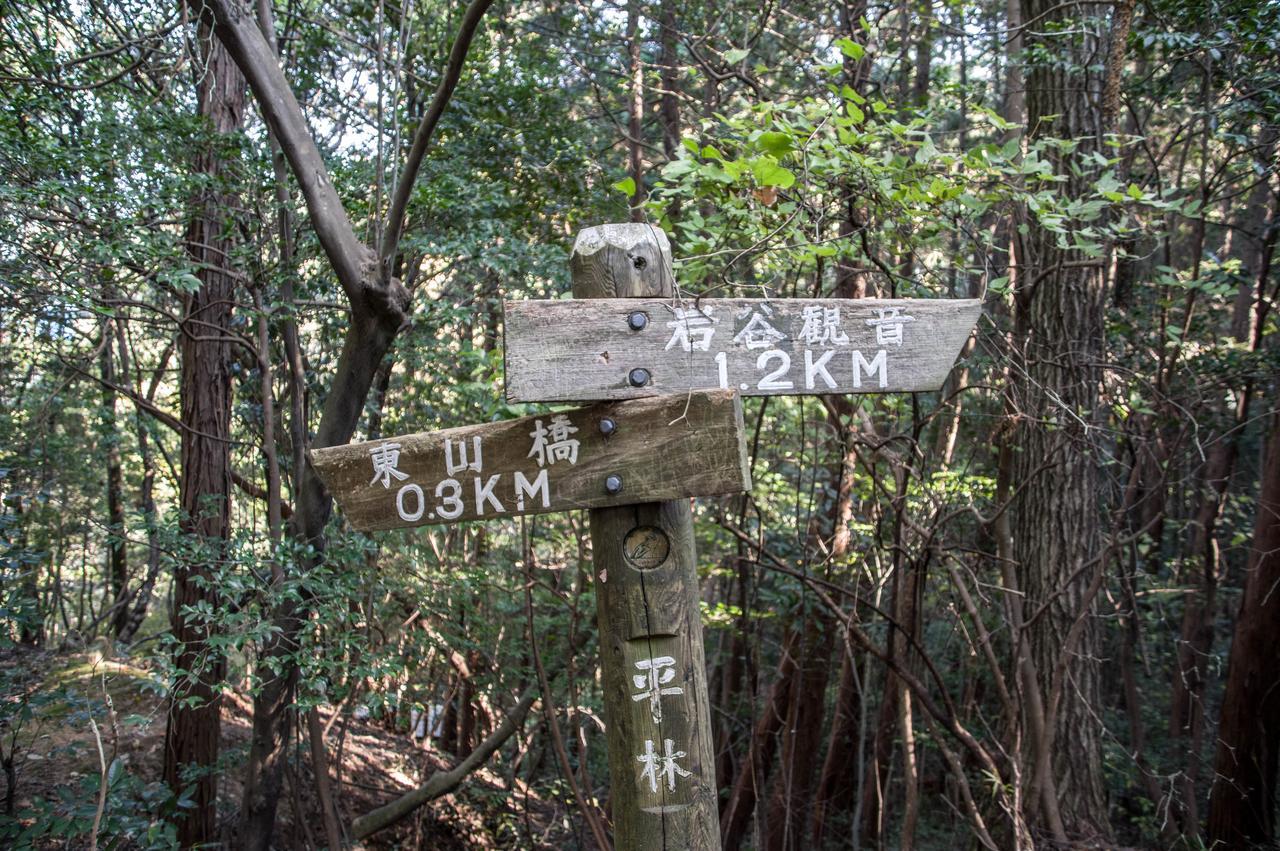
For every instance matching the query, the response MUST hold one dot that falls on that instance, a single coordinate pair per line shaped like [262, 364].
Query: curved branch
[444, 782]
[238, 31]
[426, 128]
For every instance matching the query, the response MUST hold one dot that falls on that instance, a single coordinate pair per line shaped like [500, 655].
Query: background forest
[1038, 609]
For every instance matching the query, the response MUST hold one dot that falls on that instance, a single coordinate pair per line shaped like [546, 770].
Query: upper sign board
[664, 447]
[624, 348]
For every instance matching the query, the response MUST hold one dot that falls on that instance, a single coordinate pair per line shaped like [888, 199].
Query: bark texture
[191, 739]
[1056, 513]
[1242, 804]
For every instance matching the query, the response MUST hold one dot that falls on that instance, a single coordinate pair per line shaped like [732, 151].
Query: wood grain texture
[648, 613]
[568, 350]
[665, 447]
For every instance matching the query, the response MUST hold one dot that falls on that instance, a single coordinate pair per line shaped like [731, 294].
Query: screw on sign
[634, 460]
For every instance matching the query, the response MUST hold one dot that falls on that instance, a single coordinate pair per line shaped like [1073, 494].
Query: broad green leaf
[773, 142]
[767, 172]
[851, 48]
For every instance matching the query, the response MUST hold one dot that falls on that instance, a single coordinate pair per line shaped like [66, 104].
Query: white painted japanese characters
[654, 682]
[661, 768]
[625, 348]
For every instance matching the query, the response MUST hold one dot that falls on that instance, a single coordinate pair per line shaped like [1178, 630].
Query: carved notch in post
[652, 662]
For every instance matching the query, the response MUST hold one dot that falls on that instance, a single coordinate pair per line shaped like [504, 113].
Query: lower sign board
[567, 350]
[616, 453]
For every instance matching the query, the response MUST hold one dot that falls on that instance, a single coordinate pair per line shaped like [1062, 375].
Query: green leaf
[851, 48]
[773, 142]
[736, 55]
[627, 186]
[677, 168]
[767, 172]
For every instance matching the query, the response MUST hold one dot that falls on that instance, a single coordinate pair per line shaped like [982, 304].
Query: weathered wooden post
[653, 669]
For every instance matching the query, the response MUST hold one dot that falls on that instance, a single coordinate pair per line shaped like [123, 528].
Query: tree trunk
[635, 110]
[755, 769]
[117, 546]
[1242, 803]
[1056, 513]
[191, 740]
[140, 599]
[837, 786]
[790, 801]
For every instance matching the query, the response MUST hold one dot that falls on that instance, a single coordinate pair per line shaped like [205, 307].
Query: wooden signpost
[635, 463]
[625, 348]
[663, 447]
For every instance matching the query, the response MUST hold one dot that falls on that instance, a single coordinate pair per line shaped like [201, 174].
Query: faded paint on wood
[666, 447]
[567, 350]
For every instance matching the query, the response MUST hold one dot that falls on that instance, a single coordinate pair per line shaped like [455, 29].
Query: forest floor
[56, 762]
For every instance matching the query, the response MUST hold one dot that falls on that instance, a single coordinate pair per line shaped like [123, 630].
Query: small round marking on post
[638, 377]
[613, 484]
[646, 547]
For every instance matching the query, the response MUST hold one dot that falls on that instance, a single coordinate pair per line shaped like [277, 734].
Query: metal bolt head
[637, 320]
[638, 377]
[613, 484]
[607, 426]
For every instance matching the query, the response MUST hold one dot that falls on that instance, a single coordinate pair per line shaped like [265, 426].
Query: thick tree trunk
[191, 740]
[1242, 803]
[1057, 517]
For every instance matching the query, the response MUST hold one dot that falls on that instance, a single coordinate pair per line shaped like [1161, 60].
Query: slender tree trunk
[924, 56]
[117, 546]
[790, 800]
[1243, 799]
[669, 104]
[635, 109]
[140, 599]
[191, 740]
[1242, 803]
[753, 773]
[1187, 716]
[837, 784]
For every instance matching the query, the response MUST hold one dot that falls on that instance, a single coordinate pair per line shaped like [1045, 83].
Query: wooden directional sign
[664, 447]
[624, 348]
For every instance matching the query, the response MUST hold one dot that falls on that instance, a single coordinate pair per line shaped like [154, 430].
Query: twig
[102, 787]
